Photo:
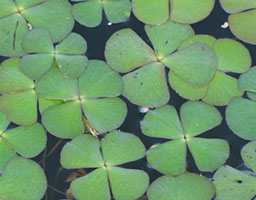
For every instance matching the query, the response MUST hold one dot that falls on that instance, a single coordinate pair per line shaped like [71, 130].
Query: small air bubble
[143, 109]
[225, 25]
[29, 26]
[109, 23]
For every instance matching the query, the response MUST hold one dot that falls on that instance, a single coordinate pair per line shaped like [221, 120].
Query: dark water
[96, 39]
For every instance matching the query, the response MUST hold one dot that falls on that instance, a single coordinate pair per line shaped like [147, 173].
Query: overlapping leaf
[68, 54]
[159, 11]
[18, 100]
[117, 148]
[146, 86]
[89, 101]
[196, 118]
[241, 20]
[22, 179]
[89, 13]
[185, 186]
[17, 16]
[232, 57]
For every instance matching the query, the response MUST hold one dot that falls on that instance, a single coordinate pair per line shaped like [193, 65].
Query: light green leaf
[186, 186]
[186, 11]
[155, 12]
[119, 148]
[4, 123]
[206, 39]
[251, 95]
[28, 141]
[72, 44]
[248, 155]
[127, 184]
[222, 89]
[247, 81]
[12, 79]
[243, 26]
[233, 6]
[196, 64]
[99, 81]
[72, 65]
[54, 15]
[93, 186]
[169, 157]
[117, 11]
[162, 122]
[184, 89]
[231, 184]
[147, 86]
[27, 3]
[232, 56]
[6, 153]
[46, 103]
[167, 37]
[198, 117]
[37, 41]
[82, 152]
[126, 51]
[64, 120]
[22, 179]
[7, 8]
[241, 118]
[209, 154]
[88, 13]
[15, 105]
[105, 114]
[54, 85]
[35, 65]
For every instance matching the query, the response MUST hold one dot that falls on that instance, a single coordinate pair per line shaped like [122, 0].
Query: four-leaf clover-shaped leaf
[27, 141]
[232, 57]
[232, 184]
[196, 118]
[90, 100]
[18, 100]
[241, 117]
[125, 51]
[242, 21]
[17, 15]
[22, 179]
[183, 187]
[68, 54]
[182, 11]
[89, 12]
[115, 149]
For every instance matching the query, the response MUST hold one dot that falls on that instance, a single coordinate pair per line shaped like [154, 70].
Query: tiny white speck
[109, 23]
[225, 25]
[143, 109]
[29, 26]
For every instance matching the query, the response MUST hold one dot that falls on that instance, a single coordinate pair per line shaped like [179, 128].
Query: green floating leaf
[46, 103]
[233, 6]
[231, 184]
[232, 56]
[248, 155]
[241, 118]
[167, 37]
[147, 86]
[15, 16]
[169, 157]
[247, 81]
[82, 151]
[181, 187]
[195, 64]
[64, 120]
[206, 39]
[38, 44]
[193, 12]
[89, 13]
[243, 25]
[196, 118]
[126, 51]
[22, 179]
[6, 154]
[114, 149]
[251, 95]
[4, 122]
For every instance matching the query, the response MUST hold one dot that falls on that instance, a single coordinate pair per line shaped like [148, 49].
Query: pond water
[96, 39]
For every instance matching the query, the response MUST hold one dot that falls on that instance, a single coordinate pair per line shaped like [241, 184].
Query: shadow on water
[96, 39]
